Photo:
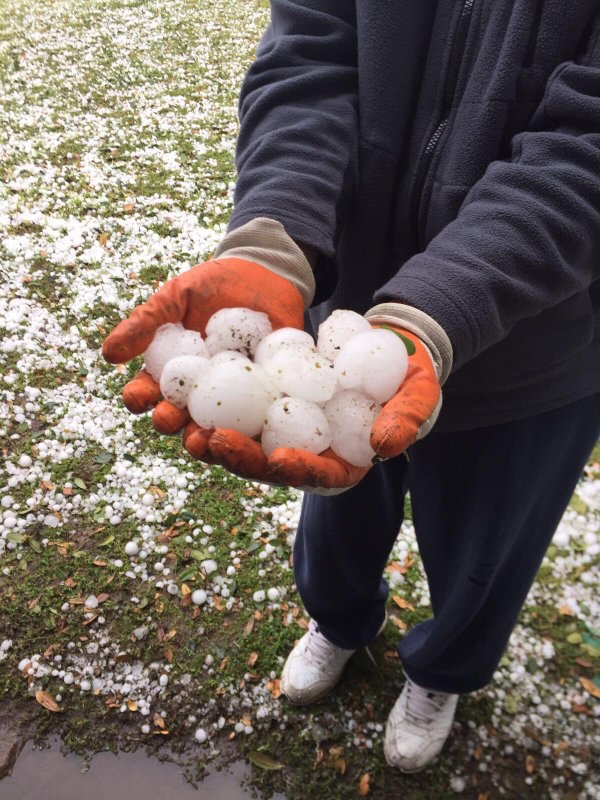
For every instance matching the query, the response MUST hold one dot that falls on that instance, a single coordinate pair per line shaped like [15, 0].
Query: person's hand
[191, 298]
[406, 417]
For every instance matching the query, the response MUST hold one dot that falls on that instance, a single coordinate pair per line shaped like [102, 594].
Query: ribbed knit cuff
[264, 241]
[427, 329]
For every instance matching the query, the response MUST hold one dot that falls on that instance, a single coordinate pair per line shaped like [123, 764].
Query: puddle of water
[48, 775]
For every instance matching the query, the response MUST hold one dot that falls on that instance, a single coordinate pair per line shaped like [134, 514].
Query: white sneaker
[418, 726]
[314, 667]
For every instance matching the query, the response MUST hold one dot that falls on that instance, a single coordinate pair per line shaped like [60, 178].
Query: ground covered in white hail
[143, 594]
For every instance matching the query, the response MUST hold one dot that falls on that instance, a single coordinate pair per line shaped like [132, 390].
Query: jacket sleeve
[298, 121]
[528, 233]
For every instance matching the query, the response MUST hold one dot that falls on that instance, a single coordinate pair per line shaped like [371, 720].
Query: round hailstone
[294, 422]
[201, 735]
[199, 597]
[337, 329]
[228, 355]
[234, 394]
[236, 329]
[131, 549]
[284, 336]
[299, 372]
[350, 416]
[172, 340]
[179, 376]
[374, 363]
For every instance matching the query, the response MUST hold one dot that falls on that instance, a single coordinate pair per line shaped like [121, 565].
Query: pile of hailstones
[278, 385]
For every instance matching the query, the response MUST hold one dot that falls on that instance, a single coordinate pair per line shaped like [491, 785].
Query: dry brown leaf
[129, 207]
[47, 485]
[170, 635]
[590, 687]
[391, 654]
[33, 602]
[67, 491]
[185, 589]
[248, 627]
[318, 758]
[218, 603]
[560, 748]
[91, 619]
[252, 659]
[581, 708]
[583, 662]
[398, 622]
[25, 668]
[168, 654]
[566, 611]
[363, 785]
[302, 623]
[102, 597]
[161, 733]
[132, 705]
[44, 699]
[478, 752]
[158, 721]
[156, 491]
[99, 563]
[402, 603]
[529, 764]
[223, 663]
[274, 687]
[340, 765]
[103, 239]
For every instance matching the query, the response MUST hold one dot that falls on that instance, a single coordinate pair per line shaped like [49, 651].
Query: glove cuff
[433, 336]
[264, 241]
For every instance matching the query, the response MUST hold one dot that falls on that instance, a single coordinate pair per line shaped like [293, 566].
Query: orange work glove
[406, 417]
[192, 298]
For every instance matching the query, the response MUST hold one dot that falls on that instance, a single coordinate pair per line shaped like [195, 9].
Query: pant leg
[341, 549]
[486, 504]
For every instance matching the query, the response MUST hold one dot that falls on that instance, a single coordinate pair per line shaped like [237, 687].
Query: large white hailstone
[233, 394]
[350, 415]
[335, 331]
[228, 355]
[236, 329]
[178, 377]
[172, 340]
[294, 422]
[299, 372]
[284, 336]
[374, 363]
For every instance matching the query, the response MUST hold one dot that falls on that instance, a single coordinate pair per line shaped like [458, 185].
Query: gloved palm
[192, 298]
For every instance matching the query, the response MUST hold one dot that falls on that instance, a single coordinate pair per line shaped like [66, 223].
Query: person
[435, 166]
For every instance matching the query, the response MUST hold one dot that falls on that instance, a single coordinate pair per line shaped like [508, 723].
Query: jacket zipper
[452, 74]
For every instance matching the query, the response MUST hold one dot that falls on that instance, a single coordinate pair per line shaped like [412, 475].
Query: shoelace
[422, 706]
[317, 645]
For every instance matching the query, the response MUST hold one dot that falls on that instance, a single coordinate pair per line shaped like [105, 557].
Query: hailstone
[351, 416]
[178, 377]
[228, 355]
[337, 329]
[236, 329]
[374, 362]
[299, 372]
[283, 336]
[233, 394]
[172, 340]
[294, 422]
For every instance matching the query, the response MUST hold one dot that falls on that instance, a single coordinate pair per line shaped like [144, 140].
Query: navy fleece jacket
[445, 155]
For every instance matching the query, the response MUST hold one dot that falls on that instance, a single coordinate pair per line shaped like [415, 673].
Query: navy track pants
[485, 502]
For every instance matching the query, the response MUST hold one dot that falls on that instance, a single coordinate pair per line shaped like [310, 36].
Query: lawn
[117, 131]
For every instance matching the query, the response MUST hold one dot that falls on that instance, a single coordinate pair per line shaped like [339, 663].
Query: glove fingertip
[168, 419]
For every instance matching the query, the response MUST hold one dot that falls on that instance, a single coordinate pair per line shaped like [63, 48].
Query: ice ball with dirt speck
[340, 326]
[303, 373]
[170, 341]
[236, 329]
[179, 376]
[294, 422]
[350, 415]
[281, 338]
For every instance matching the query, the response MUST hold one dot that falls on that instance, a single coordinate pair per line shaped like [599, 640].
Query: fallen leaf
[340, 765]
[264, 761]
[397, 622]
[318, 758]
[274, 687]
[168, 654]
[185, 589]
[583, 662]
[218, 603]
[248, 627]
[529, 764]
[223, 664]
[590, 687]
[102, 597]
[363, 785]
[170, 635]
[132, 705]
[158, 721]
[103, 239]
[44, 699]
[566, 611]
[402, 603]
[302, 623]
[99, 563]
[252, 659]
